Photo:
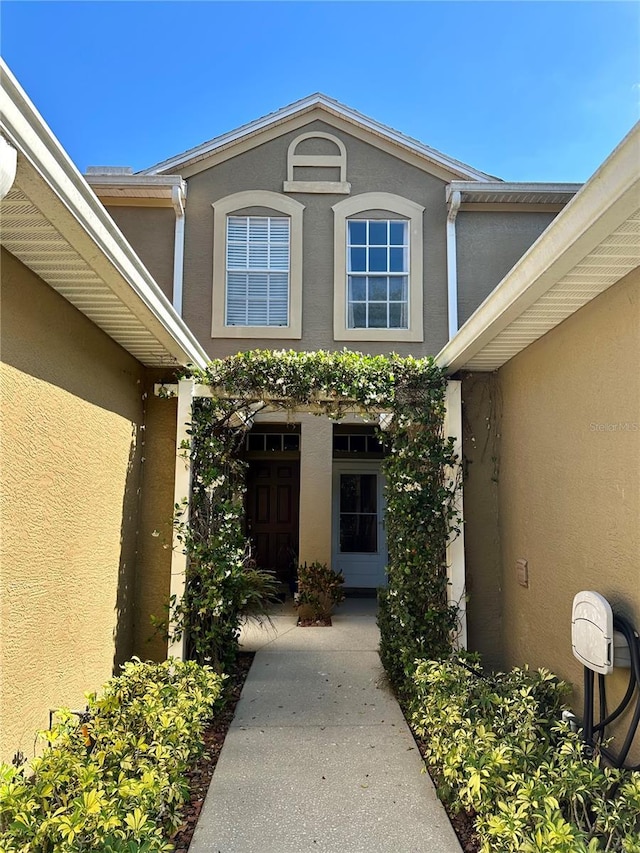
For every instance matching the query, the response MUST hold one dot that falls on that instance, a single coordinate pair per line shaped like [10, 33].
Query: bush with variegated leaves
[114, 781]
[497, 750]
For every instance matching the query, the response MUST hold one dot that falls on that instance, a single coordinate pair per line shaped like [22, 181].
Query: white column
[456, 572]
[181, 497]
[316, 462]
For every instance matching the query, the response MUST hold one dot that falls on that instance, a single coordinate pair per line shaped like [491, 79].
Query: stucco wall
[153, 571]
[71, 416]
[569, 493]
[264, 167]
[488, 244]
[151, 232]
[481, 414]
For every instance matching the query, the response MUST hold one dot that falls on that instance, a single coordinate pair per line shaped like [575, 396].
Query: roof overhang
[53, 222]
[592, 244]
[499, 192]
[321, 106]
[140, 190]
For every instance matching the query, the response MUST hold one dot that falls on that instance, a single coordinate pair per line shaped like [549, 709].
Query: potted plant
[319, 590]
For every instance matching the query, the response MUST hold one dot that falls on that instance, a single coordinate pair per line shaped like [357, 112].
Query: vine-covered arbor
[422, 609]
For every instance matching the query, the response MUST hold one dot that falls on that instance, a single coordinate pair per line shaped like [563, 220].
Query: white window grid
[373, 279]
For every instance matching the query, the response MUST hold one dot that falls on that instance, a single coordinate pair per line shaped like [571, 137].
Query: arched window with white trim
[378, 282]
[257, 266]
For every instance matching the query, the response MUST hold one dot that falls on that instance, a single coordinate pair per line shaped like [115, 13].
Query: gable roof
[330, 107]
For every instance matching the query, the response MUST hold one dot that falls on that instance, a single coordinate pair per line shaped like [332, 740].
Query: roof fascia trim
[514, 187]
[307, 105]
[609, 197]
[27, 130]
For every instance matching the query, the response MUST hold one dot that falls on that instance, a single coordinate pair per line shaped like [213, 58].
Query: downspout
[178, 197]
[8, 166]
[453, 203]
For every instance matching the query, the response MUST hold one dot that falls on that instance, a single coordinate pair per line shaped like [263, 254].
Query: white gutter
[604, 203]
[507, 188]
[134, 285]
[452, 262]
[178, 199]
[8, 166]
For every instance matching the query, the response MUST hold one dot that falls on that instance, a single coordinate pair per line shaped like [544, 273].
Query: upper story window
[257, 266]
[378, 262]
[257, 271]
[378, 280]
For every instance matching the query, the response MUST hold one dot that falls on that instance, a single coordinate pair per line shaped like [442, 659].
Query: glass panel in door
[358, 514]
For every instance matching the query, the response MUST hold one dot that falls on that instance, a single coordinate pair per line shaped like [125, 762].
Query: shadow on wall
[482, 414]
[124, 607]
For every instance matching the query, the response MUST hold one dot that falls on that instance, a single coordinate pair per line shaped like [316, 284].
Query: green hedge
[498, 751]
[116, 781]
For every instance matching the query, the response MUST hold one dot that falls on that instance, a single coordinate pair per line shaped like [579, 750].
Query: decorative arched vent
[318, 163]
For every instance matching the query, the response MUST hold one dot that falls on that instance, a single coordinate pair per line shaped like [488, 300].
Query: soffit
[29, 235]
[607, 264]
[301, 113]
[496, 192]
[160, 187]
[592, 244]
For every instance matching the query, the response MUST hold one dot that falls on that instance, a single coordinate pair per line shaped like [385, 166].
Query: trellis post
[456, 572]
[181, 500]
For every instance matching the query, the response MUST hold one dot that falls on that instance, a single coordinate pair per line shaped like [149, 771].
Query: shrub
[223, 584]
[319, 590]
[115, 782]
[498, 752]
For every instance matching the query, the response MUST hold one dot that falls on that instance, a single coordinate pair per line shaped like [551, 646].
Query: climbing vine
[416, 621]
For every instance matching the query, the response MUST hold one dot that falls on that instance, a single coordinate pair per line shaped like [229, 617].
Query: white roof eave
[608, 199]
[128, 278]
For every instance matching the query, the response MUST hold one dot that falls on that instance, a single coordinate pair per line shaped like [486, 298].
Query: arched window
[378, 282]
[257, 266]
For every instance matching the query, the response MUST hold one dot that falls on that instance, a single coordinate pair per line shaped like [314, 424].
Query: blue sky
[522, 90]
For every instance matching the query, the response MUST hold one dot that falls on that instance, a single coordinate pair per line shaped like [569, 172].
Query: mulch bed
[314, 623]
[200, 774]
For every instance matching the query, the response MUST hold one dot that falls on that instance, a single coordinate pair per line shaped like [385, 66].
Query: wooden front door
[273, 497]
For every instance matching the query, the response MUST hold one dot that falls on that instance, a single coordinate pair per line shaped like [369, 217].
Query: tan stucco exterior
[488, 244]
[265, 168]
[481, 401]
[316, 464]
[72, 410]
[153, 571]
[151, 232]
[569, 480]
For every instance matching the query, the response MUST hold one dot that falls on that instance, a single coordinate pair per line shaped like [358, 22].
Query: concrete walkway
[319, 757]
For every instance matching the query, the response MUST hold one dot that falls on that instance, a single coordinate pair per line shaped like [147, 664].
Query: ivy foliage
[498, 752]
[116, 780]
[415, 618]
[223, 585]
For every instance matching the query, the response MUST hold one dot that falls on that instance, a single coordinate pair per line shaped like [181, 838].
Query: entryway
[359, 545]
[273, 497]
